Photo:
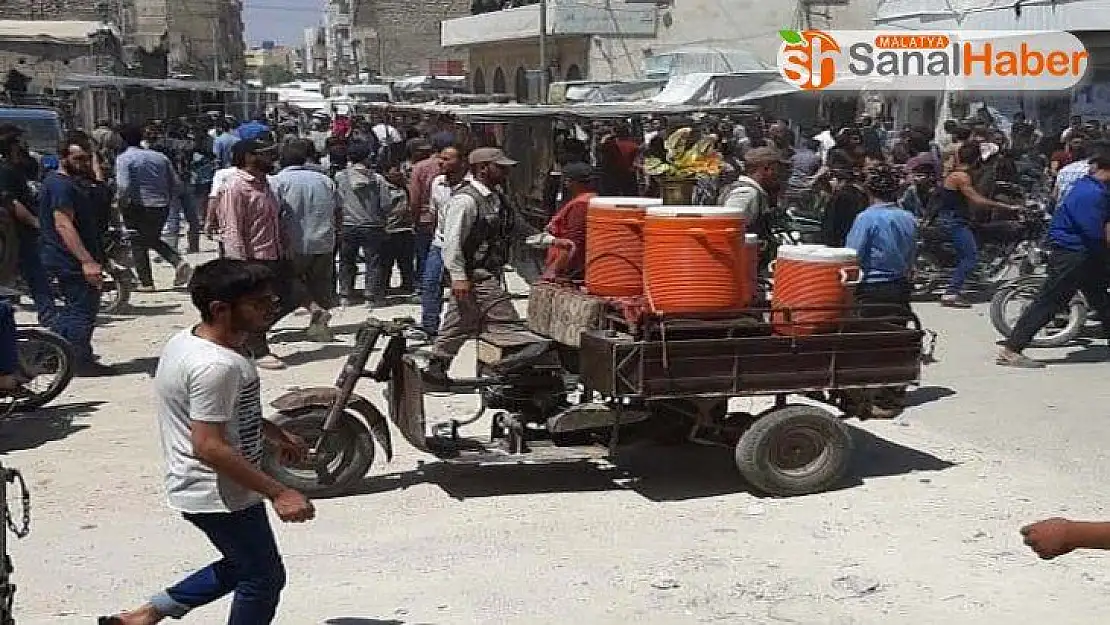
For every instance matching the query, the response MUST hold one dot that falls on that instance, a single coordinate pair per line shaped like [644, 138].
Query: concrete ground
[925, 531]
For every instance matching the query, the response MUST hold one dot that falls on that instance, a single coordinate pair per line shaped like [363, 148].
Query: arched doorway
[479, 81]
[521, 84]
[574, 73]
[499, 81]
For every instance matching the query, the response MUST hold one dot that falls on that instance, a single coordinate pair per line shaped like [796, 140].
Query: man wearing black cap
[569, 224]
[475, 249]
[754, 193]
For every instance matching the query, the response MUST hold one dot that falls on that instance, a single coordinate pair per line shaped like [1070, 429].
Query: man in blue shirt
[885, 239]
[148, 187]
[222, 144]
[72, 211]
[1077, 261]
[254, 128]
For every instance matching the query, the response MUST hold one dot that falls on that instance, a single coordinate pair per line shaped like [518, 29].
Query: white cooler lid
[694, 211]
[817, 253]
[625, 203]
[751, 239]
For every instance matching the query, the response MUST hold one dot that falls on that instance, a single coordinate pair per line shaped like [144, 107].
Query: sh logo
[804, 59]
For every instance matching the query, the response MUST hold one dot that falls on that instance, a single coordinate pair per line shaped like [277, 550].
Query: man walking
[309, 214]
[210, 416]
[71, 214]
[147, 185]
[475, 249]
[420, 199]
[453, 170]
[250, 221]
[1077, 240]
[365, 210]
[224, 141]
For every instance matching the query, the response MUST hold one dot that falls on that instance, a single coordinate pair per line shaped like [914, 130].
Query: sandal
[1021, 361]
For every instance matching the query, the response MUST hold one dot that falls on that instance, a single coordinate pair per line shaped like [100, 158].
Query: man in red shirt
[569, 224]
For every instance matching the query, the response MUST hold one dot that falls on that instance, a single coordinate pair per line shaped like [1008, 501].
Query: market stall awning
[1070, 15]
[64, 32]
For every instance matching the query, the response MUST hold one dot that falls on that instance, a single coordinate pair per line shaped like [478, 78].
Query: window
[479, 81]
[499, 81]
[521, 85]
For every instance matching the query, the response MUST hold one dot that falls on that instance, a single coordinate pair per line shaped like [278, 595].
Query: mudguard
[325, 396]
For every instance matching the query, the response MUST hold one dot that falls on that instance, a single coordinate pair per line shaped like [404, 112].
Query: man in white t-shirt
[210, 416]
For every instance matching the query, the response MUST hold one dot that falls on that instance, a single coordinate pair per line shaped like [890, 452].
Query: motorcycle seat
[513, 351]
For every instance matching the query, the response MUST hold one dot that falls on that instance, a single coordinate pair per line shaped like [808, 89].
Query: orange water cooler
[810, 282]
[693, 259]
[615, 245]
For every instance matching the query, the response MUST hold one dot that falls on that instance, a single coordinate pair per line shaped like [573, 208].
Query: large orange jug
[615, 245]
[810, 283]
[692, 259]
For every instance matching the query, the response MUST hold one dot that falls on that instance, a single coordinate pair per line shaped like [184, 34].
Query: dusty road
[925, 533]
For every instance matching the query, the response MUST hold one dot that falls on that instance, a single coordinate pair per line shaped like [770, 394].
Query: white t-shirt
[198, 380]
[220, 179]
[387, 134]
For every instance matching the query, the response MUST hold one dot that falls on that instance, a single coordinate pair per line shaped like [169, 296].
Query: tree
[271, 75]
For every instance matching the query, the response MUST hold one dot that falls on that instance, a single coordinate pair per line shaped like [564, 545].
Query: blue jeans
[76, 318]
[189, 206]
[38, 282]
[9, 350]
[423, 246]
[251, 567]
[431, 291]
[967, 254]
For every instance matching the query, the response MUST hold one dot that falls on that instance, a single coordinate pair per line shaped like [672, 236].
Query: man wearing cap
[249, 215]
[475, 249]
[754, 193]
[424, 171]
[569, 224]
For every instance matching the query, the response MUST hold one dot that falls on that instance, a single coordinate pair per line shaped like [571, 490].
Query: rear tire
[351, 453]
[1027, 288]
[795, 450]
[41, 352]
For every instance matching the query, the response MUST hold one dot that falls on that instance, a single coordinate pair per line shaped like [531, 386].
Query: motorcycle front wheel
[343, 460]
[1011, 301]
[46, 363]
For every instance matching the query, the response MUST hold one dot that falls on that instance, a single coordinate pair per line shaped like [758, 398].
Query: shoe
[435, 375]
[954, 301]
[94, 370]
[1020, 361]
[183, 275]
[270, 362]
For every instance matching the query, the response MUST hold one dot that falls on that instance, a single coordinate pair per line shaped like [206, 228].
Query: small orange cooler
[693, 259]
[811, 276]
[615, 245]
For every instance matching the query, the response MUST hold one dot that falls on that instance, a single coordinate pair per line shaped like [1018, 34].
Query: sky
[282, 21]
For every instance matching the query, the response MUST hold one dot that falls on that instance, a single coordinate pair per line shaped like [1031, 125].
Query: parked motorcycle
[1011, 300]
[118, 275]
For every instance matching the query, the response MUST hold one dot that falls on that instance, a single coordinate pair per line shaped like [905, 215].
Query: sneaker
[270, 362]
[1018, 361]
[183, 275]
[954, 301]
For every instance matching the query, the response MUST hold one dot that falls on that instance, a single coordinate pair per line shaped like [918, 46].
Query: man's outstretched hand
[1050, 538]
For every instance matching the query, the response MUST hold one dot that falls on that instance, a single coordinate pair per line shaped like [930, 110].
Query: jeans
[76, 318]
[38, 282]
[967, 254]
[1068, 272]
[398, 251]
[371, 243]
[423, 245]
[431, 292]
[251, 567]
[257, 345]
[147, 223]
[191, 206]
[9, 349]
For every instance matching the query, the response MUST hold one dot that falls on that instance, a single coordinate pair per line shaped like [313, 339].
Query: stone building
[402, 37]
[623, 39]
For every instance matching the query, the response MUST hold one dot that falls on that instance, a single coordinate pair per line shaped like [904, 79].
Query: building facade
[622, 40]
[402, 37]
[339, 52]
[314, 52]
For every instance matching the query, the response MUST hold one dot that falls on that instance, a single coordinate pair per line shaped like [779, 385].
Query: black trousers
[1068, 273]
[147, 224]
[399, 250]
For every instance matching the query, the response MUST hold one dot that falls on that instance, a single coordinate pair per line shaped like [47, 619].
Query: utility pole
[543, 51]
[215, 54]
